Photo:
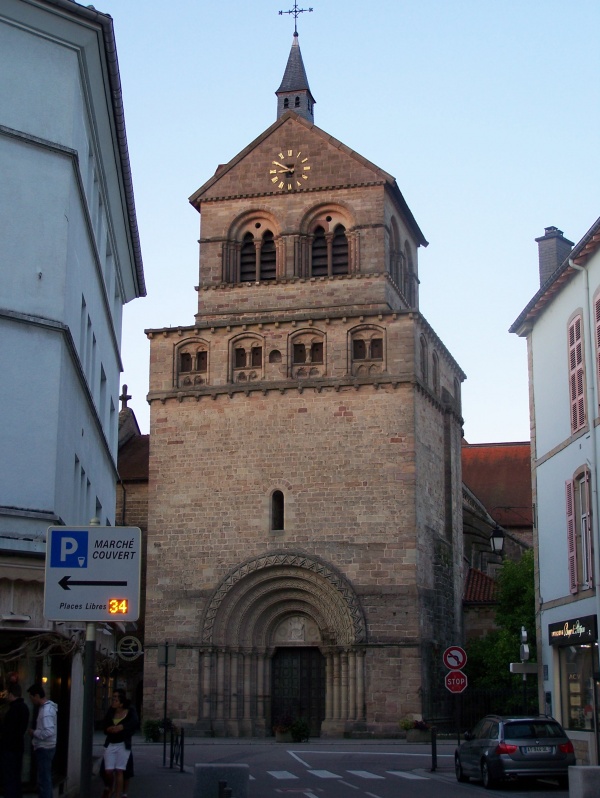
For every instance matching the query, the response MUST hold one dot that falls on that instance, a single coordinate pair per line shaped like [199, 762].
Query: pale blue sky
[486, 113]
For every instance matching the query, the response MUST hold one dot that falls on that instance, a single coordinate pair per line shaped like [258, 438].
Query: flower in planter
[283, 724]
[410, 723]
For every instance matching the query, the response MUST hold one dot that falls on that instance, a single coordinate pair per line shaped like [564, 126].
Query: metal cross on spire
[296, 12]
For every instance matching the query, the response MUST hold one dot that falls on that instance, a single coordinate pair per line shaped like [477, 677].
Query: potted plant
[152, 729]
[300, 731]
[282, 729]
[417, 731]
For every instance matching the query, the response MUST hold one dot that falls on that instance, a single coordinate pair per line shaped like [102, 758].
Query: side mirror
[468, 735]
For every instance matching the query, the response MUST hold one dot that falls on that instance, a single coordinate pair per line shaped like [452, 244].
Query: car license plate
[538, 749]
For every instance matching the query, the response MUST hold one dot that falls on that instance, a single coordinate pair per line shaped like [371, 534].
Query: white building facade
[69, 260]
[562, 327]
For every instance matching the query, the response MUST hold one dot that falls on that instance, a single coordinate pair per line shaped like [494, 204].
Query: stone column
[220, 712]
[360, 684]
[344, 684]
[336, 685]
[246, 725]
[233, 689]
[352, 684]
[260, 686]
[206, 690]
[329, 685]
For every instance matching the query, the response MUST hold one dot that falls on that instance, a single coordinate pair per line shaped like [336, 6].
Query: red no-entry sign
[455, 658]
[456, 681]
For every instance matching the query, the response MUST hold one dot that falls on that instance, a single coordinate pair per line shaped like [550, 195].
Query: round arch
[257, 595]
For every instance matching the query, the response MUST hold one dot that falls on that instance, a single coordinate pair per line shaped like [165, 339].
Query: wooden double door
[298, 686]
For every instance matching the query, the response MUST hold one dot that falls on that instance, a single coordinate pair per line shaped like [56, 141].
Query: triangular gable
[333, 166]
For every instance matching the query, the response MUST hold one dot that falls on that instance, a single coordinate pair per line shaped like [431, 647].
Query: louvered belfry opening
[319, 253]
[268, 264]
[339, 251]
[248, 259]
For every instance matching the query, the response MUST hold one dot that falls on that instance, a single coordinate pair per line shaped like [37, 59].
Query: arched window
[367, 351]
[319, 253]
[268, 263]
[297, 102]
[339, 251]
[409, 276]
[248, 259]
[286, 103]
[435, 365]
[424, 360]
[277, 511]
[457, 398]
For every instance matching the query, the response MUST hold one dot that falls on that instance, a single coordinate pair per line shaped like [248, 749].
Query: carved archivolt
[261, 596]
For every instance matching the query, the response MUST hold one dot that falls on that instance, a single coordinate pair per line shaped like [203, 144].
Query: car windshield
[530, 730]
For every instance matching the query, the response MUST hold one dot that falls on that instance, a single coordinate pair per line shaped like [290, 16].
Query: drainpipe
[592, 403]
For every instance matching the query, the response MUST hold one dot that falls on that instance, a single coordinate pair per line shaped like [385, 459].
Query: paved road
[318, 769]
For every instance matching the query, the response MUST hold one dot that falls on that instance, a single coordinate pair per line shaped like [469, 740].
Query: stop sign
[456, 681]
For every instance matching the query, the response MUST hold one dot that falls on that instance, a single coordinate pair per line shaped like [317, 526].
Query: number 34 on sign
[118, 606]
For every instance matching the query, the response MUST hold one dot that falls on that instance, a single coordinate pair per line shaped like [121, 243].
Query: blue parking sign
[69, 548]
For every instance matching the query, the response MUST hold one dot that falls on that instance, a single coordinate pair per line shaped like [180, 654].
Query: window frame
[576, 360]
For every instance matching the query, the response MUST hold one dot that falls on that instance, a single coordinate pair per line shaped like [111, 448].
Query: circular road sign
[129, 648]
[456, 681]
[455, 658]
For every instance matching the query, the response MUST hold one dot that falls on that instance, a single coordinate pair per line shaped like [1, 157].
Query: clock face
[289, 169]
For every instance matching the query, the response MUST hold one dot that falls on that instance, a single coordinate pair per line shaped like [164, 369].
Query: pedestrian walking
[43, 738]
[12, 741]
[120, 722]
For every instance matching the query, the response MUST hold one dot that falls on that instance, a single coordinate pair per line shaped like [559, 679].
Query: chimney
[553, 249]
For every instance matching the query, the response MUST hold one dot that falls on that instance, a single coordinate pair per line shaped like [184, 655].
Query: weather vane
[295, 11]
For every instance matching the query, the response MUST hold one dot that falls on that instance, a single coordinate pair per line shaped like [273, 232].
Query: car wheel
[488, 781]
[460, 776]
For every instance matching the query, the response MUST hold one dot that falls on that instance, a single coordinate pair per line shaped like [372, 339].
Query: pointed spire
[294, 93]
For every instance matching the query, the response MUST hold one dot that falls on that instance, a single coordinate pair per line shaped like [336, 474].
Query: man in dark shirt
[12, 744]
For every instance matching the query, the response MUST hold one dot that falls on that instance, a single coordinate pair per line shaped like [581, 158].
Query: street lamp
[497, 539]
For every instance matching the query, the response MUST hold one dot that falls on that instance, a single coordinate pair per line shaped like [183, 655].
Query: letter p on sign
[69, 549]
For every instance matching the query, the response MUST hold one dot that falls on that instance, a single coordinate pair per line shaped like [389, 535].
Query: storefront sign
[573, 632]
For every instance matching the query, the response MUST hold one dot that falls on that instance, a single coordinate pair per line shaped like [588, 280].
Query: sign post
[92, 574]
[166, 657]
[455, 658]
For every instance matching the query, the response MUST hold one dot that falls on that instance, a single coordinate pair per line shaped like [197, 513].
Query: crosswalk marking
[281, 774]
[364, 774]
[324, 774]
[405, 774]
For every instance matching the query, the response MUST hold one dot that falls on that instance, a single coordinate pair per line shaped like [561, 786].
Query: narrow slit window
[277, 511]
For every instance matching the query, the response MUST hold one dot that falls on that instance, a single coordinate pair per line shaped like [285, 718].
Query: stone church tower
[304, 541]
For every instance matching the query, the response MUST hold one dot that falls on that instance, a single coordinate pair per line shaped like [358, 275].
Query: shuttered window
[571, 538]
[576, 375]
[579, 532]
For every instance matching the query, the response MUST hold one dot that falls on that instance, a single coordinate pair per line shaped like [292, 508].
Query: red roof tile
[499, 474]
[480, 588]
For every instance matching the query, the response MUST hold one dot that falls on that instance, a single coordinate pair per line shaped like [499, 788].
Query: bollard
[433, 749]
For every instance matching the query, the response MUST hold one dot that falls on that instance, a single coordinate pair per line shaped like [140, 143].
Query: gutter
[592, 404]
